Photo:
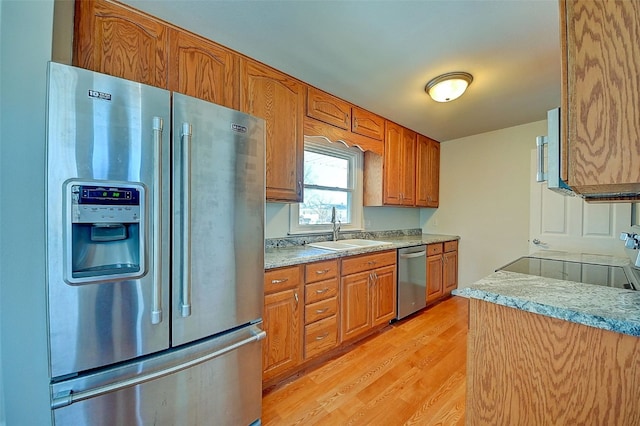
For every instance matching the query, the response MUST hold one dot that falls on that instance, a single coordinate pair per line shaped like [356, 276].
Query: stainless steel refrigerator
[155, 255]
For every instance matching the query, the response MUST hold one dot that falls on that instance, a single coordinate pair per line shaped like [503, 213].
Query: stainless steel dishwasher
[412, 280]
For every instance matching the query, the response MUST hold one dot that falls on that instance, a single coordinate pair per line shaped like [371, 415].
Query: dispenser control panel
[106, 204]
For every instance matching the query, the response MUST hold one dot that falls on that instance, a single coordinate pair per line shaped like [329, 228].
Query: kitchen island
[548, 351]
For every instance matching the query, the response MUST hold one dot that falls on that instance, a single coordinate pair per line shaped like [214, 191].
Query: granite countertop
[593, 305]
[294, 255]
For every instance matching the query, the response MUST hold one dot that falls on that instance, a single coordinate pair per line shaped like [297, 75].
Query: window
[332, 178]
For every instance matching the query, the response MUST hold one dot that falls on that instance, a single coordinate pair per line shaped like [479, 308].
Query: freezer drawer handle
[185, 136]
[156, 309]
[68, 397]
[412, 255]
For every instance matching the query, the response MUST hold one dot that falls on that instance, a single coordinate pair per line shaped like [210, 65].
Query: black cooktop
[611, 276]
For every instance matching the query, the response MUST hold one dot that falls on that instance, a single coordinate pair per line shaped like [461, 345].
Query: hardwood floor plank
[414, 372]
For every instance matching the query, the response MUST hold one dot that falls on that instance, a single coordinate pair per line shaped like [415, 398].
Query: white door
[563, 223]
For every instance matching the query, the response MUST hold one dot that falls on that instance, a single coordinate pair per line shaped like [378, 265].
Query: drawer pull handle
[321, 311]
[322, 336]
[372, 262]
[279, 281]
[323, 291]
[322, 271]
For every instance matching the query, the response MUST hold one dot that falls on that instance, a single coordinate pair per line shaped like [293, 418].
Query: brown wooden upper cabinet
[427, 172]
[339, 113]
[399, 165]
[203, 69]
[601, 95]
[119, 41]
[116, 40]
[279, 99]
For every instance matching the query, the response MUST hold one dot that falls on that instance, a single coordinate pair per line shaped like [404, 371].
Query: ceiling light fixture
[449, 86]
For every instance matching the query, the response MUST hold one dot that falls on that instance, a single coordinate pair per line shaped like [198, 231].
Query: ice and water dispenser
[105, 231]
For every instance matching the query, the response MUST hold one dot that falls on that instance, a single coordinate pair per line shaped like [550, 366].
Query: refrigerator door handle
[185, 137]
[67, 397]
[156, 309]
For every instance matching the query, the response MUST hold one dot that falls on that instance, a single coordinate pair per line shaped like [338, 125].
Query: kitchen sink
[347, 244]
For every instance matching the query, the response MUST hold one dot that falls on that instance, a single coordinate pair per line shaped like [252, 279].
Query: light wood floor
[413, 373]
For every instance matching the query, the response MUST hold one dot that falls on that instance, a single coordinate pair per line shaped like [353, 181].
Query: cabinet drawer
[451, 246]
[366, 262]
[320, 336]
[319, 310]
[321, 290]
[281, 279]
[319, 271]
[434, 249]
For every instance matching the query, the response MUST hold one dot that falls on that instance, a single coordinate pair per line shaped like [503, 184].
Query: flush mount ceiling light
[449, 86]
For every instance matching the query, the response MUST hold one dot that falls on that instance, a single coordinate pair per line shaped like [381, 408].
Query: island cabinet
[321, 314]
[427, 172]
[337, 120]
[279, 100]
[442, 270]
[601, 96]
[368, 293]
[282, 321]
[530, 369]
[113, 39]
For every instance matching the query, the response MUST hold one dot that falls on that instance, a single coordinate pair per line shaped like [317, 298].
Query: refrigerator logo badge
[238, 128]
[99, 95]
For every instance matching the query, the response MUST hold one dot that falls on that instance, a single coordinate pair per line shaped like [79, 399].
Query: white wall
[375, 219]
[25, 48]
[484, 198]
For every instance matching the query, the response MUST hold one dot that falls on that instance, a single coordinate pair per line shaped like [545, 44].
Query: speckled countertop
[597, 306]
[275, 257]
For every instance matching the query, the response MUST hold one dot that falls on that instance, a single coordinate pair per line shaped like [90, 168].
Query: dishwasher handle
[412, 255]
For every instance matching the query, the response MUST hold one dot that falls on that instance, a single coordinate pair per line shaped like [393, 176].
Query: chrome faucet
[336, 226]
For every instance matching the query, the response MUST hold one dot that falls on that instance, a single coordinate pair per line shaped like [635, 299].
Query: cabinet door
[383, 295]
[279, 99]
[450, 271]
[282, 347]
[203, 69]
[602, 95]
[355, 303]
[427, 172]
[366, 123]
[434, 278]
[118, 41]
[408, 167]
[434, 177]
[327, 108]
[392, 163]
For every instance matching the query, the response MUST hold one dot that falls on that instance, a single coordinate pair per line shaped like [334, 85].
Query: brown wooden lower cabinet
[442, 270]
[282, 320]
[530, 369]
[368, 293]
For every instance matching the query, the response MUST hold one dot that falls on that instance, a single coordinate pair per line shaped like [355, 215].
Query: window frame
[355, 181]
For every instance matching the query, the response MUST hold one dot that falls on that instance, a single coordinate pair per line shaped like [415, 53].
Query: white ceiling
[379, 54]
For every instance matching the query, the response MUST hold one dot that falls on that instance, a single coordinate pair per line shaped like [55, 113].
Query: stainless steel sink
[347, 244]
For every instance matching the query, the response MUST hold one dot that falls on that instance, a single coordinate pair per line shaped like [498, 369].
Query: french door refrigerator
[155, 255]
